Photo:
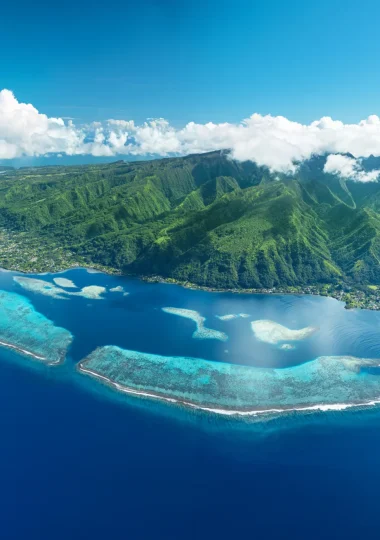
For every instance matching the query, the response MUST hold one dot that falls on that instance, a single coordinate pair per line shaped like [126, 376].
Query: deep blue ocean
[78, 460]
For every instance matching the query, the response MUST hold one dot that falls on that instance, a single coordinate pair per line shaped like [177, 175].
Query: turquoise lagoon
[82, 459]
[247, 354]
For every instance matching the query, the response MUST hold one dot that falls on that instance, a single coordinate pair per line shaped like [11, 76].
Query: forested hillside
[204, 218]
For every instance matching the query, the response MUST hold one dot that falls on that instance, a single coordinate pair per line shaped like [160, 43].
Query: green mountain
[203, 218]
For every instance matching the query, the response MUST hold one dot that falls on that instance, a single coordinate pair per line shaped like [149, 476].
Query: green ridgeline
[203, 218]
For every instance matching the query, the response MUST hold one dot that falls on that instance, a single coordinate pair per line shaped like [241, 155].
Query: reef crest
[29, 333]
[326, 382]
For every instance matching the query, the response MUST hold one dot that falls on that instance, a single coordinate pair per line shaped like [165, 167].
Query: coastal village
[23, 252]
[368, 298]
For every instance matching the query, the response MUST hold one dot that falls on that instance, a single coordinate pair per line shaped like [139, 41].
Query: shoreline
[193, 286]
[310, 290]
[321, 407]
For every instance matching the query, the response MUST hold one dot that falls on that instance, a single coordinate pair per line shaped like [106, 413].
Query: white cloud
[273, 141]
[24, 131]
[348, 167]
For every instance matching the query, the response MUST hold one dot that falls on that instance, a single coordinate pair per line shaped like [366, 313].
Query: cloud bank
[273, 141]
[348, 167]
[24, 131]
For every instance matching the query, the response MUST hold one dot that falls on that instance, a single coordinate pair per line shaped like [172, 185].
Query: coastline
[236, 413]
[226, 410]
[307, 290]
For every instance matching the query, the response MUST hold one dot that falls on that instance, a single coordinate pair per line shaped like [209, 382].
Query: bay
[79, 460]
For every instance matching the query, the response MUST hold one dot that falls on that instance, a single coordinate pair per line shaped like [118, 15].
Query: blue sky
[205, 67]
[193, 61]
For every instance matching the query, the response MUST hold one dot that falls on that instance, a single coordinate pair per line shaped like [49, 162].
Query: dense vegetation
[204, 218]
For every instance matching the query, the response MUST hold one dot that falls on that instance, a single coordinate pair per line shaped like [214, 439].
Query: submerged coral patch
[272, 332]
[93, 292]
[201, 331]
[232, 316]
[39, 286]
[119, 288]
[66, 283]
[29, 333]
[326, 382]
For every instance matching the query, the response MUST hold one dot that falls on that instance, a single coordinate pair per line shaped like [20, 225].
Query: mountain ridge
[203, 218]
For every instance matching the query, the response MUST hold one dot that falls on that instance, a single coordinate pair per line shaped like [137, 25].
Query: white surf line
[128, 390]
[319, 407]
[323, 407]
[24, 351]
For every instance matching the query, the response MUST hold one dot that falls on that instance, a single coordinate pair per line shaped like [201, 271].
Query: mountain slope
[203, 218]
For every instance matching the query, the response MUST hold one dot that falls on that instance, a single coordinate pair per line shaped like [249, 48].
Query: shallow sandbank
[64, 282]
[40, 286]
[202, 332]
[272, 332]
[232, 316]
